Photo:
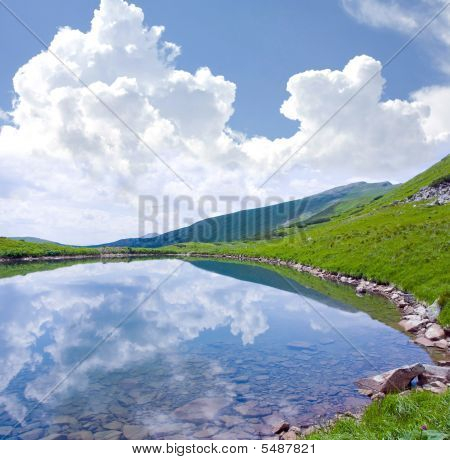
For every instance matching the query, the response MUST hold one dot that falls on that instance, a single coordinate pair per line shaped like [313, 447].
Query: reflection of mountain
[267, 277]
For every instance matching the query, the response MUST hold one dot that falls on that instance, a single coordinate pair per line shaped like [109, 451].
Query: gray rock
[107, 435]
[432, 373]
[5, 430]
[201, 409]
[395, 380]
[37, 433]
[251, 409]
[435, 332]
[114, 425]
[81, 435]
[412, 325]
[442, 344]
[65, 420]
[135, 432]
[424, 342]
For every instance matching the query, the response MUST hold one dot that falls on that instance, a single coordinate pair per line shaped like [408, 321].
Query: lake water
[166, 349]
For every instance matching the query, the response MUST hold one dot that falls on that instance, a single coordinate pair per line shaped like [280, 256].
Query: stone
[280, 427]
[361, 288]
[289, 436]
[232, 420]
[442, 344]
[251, 409]
[201, 409]
[300, 345]
[420, 310]
[435, 387]
[108, 435]
[84, 435]
[412, 325]
[138, 432]
[432, 373]
[5, 430]
[207, 432]
[65, 420]
[308, 430]
[424, 342]
[392, 381]
[55, 437]
[37, 433]
[113, 425]
[435, 332]
[433, 311]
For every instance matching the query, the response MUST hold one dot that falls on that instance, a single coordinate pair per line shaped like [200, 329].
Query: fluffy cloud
[78, 152]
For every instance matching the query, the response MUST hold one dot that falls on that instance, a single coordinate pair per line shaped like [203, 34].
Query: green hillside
[261, 222]
[32, 239]
[402, 243]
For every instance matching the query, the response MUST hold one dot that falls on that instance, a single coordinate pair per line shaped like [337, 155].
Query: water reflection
[212, 353]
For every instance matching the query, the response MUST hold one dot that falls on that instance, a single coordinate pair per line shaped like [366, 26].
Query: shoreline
[417, 316]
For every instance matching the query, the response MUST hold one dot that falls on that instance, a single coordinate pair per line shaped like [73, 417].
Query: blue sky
[257, 45]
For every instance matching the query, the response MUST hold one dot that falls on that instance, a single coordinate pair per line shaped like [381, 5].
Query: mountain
[260, 222]
[32, 239]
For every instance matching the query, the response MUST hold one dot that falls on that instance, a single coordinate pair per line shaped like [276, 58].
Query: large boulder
[432, 373]
[412, 325]
[392, 381]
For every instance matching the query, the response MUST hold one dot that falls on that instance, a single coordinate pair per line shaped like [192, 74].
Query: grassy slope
[13, 249]
[404, 244]
[396, 417]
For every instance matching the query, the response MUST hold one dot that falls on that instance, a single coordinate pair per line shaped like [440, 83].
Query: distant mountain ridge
[260, 222]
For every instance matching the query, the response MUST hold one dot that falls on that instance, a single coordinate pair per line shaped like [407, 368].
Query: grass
[396, 417]
[16, 249]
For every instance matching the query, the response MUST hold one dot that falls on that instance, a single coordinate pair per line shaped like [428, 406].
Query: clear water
[218, 350]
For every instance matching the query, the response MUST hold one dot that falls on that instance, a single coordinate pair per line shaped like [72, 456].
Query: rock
[295, 429]
[377, 396]
[251, 409]
[139, 432]
[435, 332]
[280, 427]
[232, 420]
[300, 345]
[443, 362]
[5, 430]
[442, 344]
[113, 425]
[289, 436]
[65, 420]
[37, 433]
[361, 288]
[412, 325]
[395, 380]
[435, 387]
[81, 435]
[433, 310]
[107, 435]
[308, 430]
[424, 342]
[201, 409]
[55, 437]
[432, 373]
[207, 432]
[420, 310]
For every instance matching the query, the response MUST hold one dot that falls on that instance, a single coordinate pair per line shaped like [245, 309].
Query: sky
[221, 96]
